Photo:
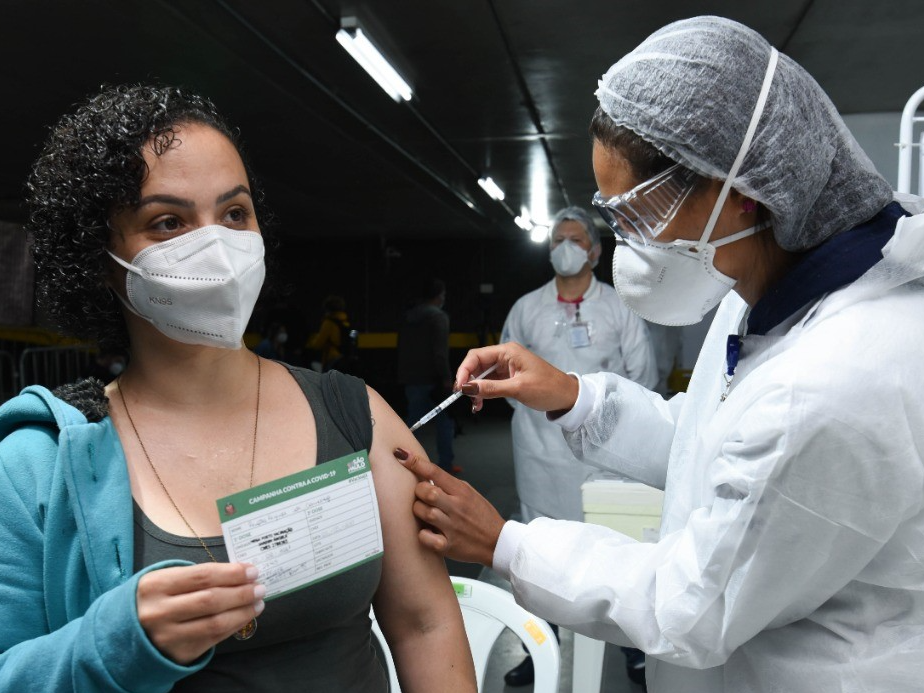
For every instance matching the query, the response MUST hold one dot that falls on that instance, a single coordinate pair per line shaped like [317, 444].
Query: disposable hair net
[580, 215]
[690, 90]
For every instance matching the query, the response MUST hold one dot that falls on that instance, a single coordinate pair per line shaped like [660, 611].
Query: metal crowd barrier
[54, 366]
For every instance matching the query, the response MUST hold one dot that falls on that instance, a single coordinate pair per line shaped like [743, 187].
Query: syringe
[446, 402]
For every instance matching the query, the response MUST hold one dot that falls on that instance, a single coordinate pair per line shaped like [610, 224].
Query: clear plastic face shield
[642, 213]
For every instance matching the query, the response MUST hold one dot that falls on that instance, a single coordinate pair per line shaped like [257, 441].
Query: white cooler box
[629, 507]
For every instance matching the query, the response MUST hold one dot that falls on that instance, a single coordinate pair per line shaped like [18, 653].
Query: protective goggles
[643, 212]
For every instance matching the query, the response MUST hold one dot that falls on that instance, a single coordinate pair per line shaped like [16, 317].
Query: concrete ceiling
[502, 87]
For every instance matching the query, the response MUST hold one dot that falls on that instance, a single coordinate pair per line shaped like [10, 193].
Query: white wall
[877, 133]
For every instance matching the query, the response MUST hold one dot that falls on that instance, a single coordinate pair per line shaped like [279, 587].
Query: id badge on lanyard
[579, 334]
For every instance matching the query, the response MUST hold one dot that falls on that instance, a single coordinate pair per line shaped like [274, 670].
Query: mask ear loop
[743, 150]
[750, 231]
[131, 268]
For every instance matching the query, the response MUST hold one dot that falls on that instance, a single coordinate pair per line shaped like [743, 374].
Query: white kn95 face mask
[568, 258]
[198, 288]
[672, 283]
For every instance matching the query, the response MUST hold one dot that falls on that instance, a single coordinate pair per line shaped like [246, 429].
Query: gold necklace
[248, 630]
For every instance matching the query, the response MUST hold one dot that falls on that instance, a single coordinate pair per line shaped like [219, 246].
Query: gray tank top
[316, 639]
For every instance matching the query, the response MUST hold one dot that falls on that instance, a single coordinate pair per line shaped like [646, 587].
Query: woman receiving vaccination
[114, 572]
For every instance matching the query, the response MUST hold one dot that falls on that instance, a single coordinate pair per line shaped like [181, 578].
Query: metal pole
[905, 140]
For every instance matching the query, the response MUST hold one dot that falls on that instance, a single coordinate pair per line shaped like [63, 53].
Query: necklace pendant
[246, 633]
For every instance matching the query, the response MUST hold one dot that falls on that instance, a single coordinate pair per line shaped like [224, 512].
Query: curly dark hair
[90, 168]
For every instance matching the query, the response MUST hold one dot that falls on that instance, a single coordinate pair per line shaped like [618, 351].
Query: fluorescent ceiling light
[524, 221]
[358, 45]
[539, 233]
[490, 187]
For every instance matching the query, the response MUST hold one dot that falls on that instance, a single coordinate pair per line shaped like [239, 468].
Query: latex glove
[520, 375]
[186, 610]
[462, 524]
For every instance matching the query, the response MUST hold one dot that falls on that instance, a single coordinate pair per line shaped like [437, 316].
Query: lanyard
[576, 302]
[732, 352]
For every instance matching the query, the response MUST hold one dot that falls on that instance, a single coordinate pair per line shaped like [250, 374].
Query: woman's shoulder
[345, 400]
[880, 335]
[342, 383]
[390, 432]
[856, 365]
[38, 406]
[29, 428]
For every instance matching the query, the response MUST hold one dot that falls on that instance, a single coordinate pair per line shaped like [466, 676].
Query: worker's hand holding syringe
[517, 373]
[446, 402]
[458, 521]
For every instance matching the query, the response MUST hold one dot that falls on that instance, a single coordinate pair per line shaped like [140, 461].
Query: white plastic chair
[486, 611]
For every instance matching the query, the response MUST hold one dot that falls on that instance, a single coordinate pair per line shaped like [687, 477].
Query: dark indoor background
[371, 195]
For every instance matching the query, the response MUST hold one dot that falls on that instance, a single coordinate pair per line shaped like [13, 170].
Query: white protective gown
[548, 476]
[791, 555]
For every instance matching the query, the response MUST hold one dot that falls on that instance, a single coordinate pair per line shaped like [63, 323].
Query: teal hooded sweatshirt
[67, 588]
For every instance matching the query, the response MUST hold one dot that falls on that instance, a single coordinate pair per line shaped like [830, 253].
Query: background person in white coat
[578, 325]
[791, 555]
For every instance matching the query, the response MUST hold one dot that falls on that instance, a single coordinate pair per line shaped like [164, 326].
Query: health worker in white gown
[791, 555]
[579, 325]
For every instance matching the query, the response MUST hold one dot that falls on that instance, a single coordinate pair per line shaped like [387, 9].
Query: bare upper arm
[415, 591]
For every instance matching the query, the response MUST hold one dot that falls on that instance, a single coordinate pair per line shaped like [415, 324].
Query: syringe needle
[449, 400]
